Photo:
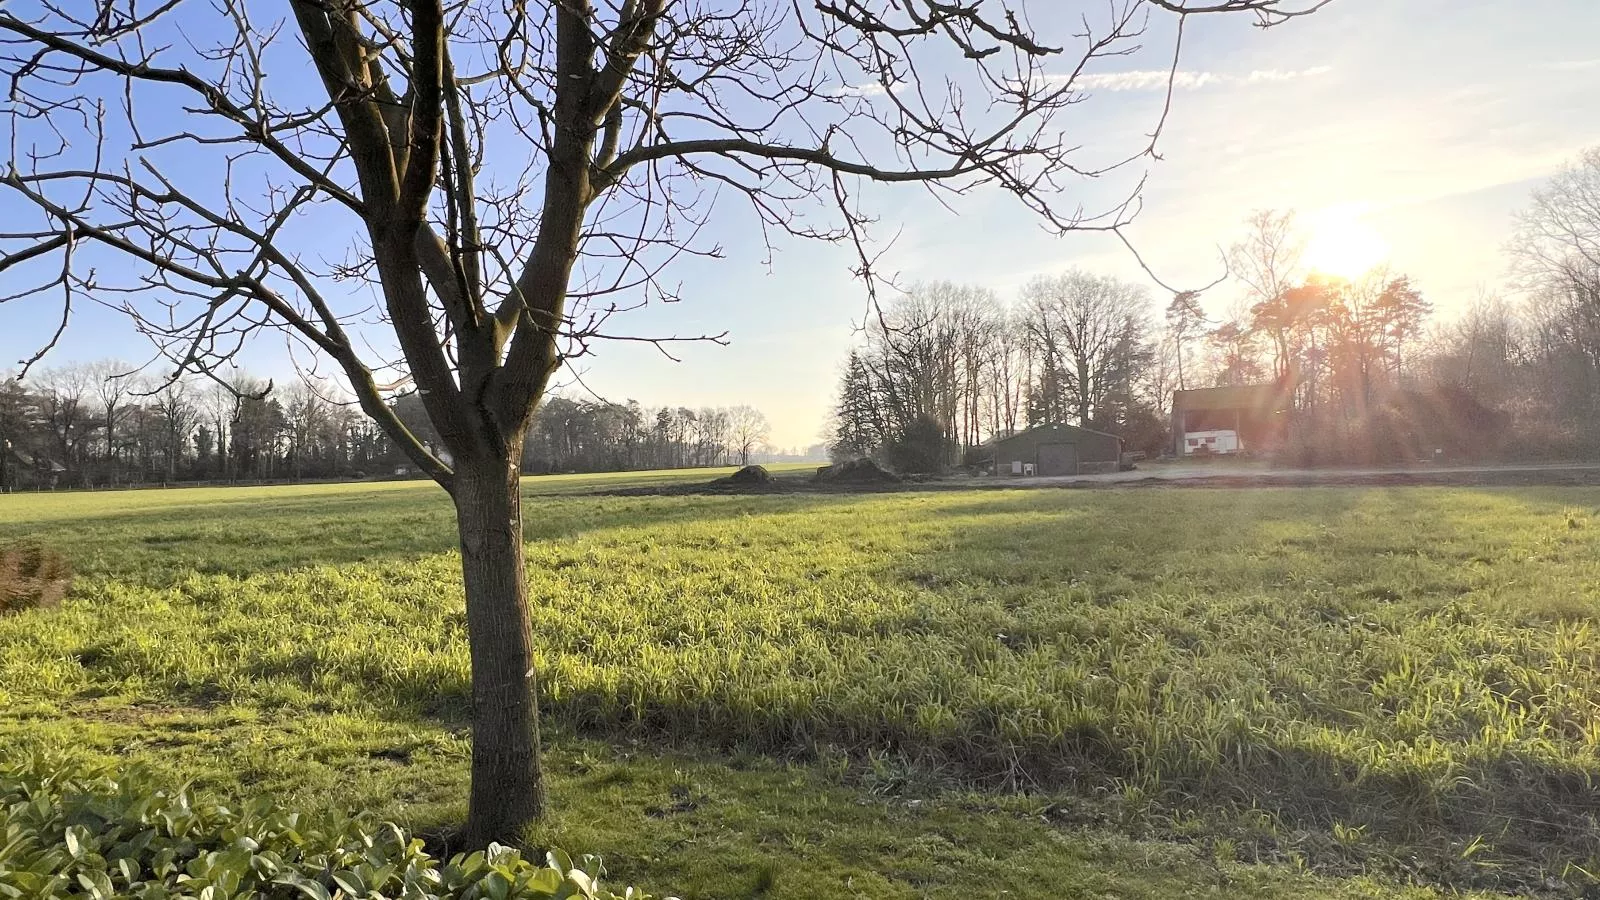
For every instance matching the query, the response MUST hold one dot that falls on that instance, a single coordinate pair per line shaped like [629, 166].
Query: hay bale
[32, 577]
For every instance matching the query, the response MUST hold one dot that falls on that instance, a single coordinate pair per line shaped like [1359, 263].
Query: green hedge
[70, 830]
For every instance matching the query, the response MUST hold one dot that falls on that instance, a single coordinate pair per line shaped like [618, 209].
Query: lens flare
[1345, 247]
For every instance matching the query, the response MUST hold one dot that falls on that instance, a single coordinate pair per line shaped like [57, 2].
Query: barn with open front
[1246, 418]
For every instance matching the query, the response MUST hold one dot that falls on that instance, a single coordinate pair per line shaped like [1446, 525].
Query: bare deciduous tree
[178, 417]
[1267, 261]
[927, 352]
[503, 178]
[748, 430]
[65, 399]
[112, 384]
[1558, 236]
[1089, 333]
[1557, 254]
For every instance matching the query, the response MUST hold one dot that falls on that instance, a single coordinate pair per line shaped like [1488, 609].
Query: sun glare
[1345, 247]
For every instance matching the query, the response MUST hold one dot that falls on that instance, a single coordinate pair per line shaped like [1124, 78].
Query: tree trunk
[507, 781]
[1083, 393]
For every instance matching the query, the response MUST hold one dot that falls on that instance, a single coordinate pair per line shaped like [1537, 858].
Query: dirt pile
[861, 471]
[749, 476]
[32, 577]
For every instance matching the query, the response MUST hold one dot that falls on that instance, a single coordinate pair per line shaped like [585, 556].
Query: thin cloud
[870, 89]
[1260, 75]
[1157, 79]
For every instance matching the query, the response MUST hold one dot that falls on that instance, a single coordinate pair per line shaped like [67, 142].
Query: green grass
[1133, 693]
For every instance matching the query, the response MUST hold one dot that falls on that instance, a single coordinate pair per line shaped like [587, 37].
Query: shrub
[923, 448]
[67, 830]
[32, 577]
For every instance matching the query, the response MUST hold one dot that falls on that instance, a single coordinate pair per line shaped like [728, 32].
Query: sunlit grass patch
[1396, 679]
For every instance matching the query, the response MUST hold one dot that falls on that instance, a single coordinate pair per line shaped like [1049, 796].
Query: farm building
[1057, 450]
[25, 470]
[1241, 418]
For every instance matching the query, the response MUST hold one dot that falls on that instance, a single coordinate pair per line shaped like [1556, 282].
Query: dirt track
[1180, 475]
[1225, 475]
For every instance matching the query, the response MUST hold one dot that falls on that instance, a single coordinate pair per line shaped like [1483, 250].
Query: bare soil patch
[32, 576]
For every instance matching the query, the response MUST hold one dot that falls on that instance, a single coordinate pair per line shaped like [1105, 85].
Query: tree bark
[507, 780]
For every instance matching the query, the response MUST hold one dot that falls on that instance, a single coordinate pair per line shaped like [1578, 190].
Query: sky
[1425, 122]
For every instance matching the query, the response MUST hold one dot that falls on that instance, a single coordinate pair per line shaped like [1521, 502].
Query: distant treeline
[103, 424]
[1371, 373]
[599, 436]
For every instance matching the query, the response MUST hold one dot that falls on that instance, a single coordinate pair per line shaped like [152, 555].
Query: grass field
[1135, 693]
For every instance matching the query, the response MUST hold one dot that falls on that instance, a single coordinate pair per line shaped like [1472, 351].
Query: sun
[1345, 247]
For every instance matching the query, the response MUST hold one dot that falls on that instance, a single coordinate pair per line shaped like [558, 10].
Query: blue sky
[1430, 119]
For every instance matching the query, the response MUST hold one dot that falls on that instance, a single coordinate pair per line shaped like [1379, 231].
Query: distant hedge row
[68, 830]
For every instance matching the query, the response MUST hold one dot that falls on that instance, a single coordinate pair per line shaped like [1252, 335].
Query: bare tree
[1185, 321]
[748, 431]
[112, 384]
[65, 397]
[1479, 352]
[1267, 262]
[508, 176]
[308, 412]
[710, 430]
[219, 402]
[1008, 375]
[979, 326]
[1557, 255]
[1558, 236]
[927, 352]
[179, 415]
[1089, 333]
[1162, 375]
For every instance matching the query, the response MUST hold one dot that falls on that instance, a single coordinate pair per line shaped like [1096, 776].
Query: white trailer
[1210, 442]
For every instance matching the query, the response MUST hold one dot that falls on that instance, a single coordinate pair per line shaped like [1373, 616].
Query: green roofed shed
[1057, 450]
